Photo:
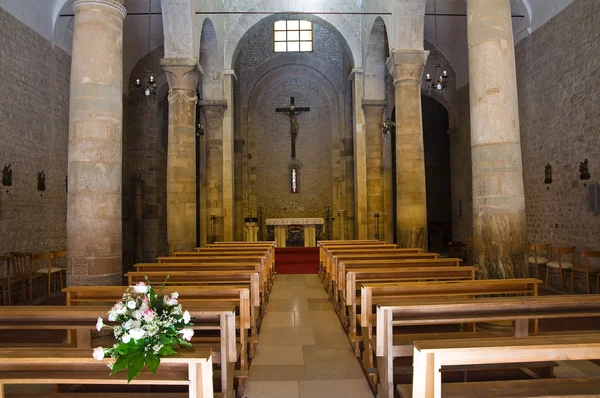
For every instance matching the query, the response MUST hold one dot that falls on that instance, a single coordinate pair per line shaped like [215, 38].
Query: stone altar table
[309, 229]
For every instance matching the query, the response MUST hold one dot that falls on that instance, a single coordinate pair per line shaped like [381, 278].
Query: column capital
[182, 73]
[355, 72]
[407, 66]
[113, 5]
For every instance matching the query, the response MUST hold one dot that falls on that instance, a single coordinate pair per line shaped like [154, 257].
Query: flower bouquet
[148, 326]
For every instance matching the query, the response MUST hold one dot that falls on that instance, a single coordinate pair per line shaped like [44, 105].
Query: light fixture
[441, 82]
[584, 170]
[147, 85]
[388, 127]
[548, 174]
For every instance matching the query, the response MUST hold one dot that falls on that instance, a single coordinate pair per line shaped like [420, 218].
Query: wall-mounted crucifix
[292, 112]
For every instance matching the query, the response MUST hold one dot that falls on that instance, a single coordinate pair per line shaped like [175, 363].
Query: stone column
[373, 111]
[342, 218]
[182, 76]
[360, 156]
[228, 157]
[213, 112]
[499, 235]
[138, 202]
[94, 216]
[388, 221]
[406, 67]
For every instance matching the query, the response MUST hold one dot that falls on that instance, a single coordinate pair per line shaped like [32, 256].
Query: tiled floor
[302, 350]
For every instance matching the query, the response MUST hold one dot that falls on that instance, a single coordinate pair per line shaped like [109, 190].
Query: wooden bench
[333, 274]
[358, 276]
[408, 261]
[83, 320]
[430, 356]
[266, 275]
[269, 247]
[521, 310]
[324, 244]
[190, 297]
[236, 252]
[76, 366]
[331, 251]
[397, 293]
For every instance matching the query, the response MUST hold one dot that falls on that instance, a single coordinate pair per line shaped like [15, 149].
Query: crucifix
[292, 112]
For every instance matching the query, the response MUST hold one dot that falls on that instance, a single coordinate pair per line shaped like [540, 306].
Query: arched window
[292, 35]
[294, 180]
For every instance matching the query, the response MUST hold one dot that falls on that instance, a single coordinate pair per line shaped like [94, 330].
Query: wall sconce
[41, 182]
[199, 130]
[7, 177]
[584, 171]
[388, 127]
[548, 173]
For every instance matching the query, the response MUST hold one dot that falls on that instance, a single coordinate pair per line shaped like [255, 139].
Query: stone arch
[273, 77]
[376, 56]
[145, 155]
[345, 36]
[211, 81]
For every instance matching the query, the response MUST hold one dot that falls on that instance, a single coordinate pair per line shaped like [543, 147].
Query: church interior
[352, 198]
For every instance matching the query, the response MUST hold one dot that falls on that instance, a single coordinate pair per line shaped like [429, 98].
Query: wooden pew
[323, 244]
[76, 366]
[358, 276]
[335, 257]
[331, 251]
[269, 246]
[407, 261]
[229, 251]
[431, 356]
[265, 272]
[522, 310]
[83, 319]
[396, 293]
[219, 281]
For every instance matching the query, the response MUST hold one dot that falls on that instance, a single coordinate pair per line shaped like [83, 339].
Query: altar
[282, 227]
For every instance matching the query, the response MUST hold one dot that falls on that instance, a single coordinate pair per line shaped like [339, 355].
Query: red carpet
[297, 260]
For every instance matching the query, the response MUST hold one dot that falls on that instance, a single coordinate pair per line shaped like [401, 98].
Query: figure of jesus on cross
[292, 112]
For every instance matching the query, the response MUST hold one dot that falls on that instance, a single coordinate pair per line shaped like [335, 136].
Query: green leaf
[123, 362]
[152, 362]
[183, 343]
[163, 284]
[135, 366]
[166, 350]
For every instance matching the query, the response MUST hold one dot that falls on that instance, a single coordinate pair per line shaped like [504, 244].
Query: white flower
[137, 333]
[175, 295]
[187, 334]
[186, 317]
[170, 300]
[126, 338]
[98, 353]
[100, 324]
[148, 315]
[118, 331]
[141, 287]
[131, 304]
[112, 316]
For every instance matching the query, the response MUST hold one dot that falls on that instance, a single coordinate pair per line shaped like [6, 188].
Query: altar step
[297, 260]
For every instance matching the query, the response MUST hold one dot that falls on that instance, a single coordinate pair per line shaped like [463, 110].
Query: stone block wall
[34, 130]
[559, 98]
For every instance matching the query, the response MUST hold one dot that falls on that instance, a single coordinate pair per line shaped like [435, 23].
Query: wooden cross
[292, 112]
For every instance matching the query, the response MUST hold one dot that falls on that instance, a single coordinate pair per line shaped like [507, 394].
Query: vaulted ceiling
[44, 17]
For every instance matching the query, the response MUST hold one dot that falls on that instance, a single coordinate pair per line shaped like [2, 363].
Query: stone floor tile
[272, 389]
[323, 362]
[326, 320]
[278, 320]
[565, 369]
[276, 373]
[312, 280]
[353, 388]
[319, 304]
[287, 305]
[331, 339]
[287, 336]
[311, 292]
[278, 355]
[587, 367]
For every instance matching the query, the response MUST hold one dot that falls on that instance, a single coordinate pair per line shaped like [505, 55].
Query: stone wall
[34, 129]
[145, 155]
[267, 80]
[559, 98]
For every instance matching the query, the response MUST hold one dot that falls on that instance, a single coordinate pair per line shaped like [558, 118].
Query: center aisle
[303, 351]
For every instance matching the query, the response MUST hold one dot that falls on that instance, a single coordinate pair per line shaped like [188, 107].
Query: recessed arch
[375, 67]
[211, 81]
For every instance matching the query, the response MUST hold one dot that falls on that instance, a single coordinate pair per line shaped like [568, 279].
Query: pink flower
[187, 334]
[98, 353]
[148, 315]
[145, 304]
[99, 324]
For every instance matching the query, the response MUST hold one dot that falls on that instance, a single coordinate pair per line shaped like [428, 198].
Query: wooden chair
[538, 259]
[586, 268]
[48, 270]
[4, 269]
[18, 273]
[60, 261]
[560, 264]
